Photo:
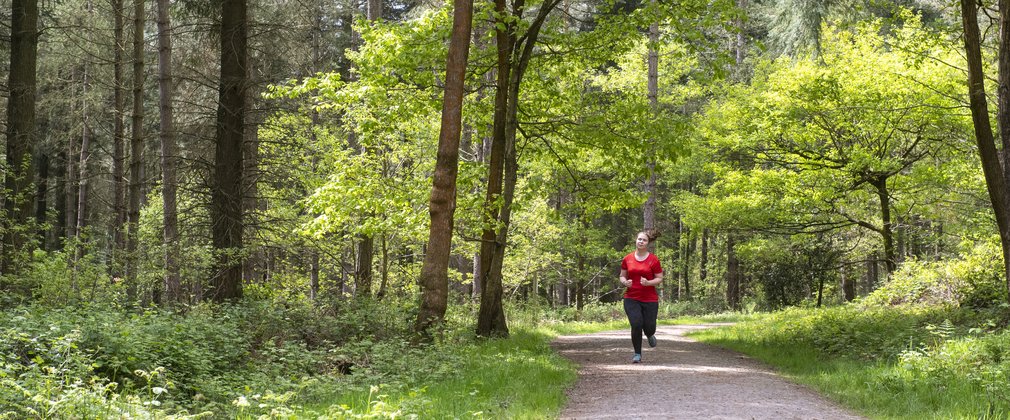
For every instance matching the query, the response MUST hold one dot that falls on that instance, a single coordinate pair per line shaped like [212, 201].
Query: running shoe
[637, 358]
[652, 340]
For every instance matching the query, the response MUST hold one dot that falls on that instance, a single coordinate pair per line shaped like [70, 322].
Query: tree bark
[21, 135]
[886, 232]
[41, 204]
[491, 317]
[995, 175]
[434, 279]
[703, 263]
[363, 267]
[732, 274]
[649, 209]
[136, 151]
[226, 192]
[85, 154]
[489, 291]
[118, 141]
[169, 182]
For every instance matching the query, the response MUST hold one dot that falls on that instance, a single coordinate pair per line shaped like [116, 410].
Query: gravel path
[680, 379]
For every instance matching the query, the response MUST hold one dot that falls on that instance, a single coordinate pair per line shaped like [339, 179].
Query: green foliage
[975, 280]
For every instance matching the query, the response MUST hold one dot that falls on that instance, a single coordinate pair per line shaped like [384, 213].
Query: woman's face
[642, 241]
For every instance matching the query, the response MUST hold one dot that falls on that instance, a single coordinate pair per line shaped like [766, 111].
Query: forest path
[680, 379]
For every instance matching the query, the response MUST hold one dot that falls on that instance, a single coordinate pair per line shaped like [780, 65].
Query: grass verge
[516, 377]
[923, 381]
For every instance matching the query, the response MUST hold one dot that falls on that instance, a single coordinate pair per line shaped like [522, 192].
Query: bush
[973, 281]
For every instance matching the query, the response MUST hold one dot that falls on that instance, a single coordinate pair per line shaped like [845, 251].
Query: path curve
[680, 379]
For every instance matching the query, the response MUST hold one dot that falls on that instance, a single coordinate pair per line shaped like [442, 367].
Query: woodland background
[205, 200]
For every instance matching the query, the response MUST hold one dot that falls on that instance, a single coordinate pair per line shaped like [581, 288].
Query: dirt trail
[680, 379]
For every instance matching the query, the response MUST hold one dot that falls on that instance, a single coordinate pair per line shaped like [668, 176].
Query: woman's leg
[635, 317]
[650, 311]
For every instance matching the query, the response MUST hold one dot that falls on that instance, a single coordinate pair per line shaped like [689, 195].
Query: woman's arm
[655, 280]
[624, 278]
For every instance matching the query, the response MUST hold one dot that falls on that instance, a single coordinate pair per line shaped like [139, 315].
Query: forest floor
[680, 379]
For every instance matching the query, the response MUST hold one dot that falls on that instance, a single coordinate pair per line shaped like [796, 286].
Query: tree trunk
[732, 274]
[649, 209]
[383, 269]
[41, 204]
[490, 292]
[169, 182]
[886, 232]
[313, 275]
[690, 243]
[434, 279]
[136, 151]
[491, 318]
[85, 154]
[363, 270]
[118, 141]
[226, 192]
[848, 286]
[703, 263]
[21, 83]
[995, 174]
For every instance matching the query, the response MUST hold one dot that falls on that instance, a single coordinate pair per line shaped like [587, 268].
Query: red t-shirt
[637, 270]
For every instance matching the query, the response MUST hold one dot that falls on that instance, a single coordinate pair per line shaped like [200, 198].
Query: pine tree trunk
[649, 210]
[118, 144]
[21, 136]
[226, 192]
[169, 156]
[41, 203]
[442, 204]
[136, 152]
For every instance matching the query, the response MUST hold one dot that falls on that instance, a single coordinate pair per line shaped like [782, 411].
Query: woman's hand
[625, 282]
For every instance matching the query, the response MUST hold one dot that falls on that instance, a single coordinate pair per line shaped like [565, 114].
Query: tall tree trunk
[226, 194]
[490, 292]
[690, 242]
[363, 267]
[703, 263]
[366, 243]
[85, 154]
[136, 151]
[886, 232]
[848, 286]
[434, 279]
[383, 269]
[649, 210]
[70, 190]
[732, 274]
[118, 143]
[169, 156]
[41, 204]
[491, 317]
[21, 136]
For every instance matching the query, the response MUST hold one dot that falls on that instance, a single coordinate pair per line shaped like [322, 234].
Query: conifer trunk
[21, 136]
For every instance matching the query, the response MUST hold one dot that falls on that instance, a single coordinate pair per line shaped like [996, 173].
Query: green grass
[882, 388]
[516, 377]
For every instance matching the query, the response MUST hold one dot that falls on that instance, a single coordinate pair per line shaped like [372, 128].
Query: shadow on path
[680, 379]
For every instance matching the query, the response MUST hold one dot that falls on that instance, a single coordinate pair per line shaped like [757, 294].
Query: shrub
[973, 281]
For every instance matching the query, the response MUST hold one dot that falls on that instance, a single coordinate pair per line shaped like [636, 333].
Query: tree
[226, 188]
[434, 282]
[993, 167]
[136, 151]
[169, 181]
[18, 172]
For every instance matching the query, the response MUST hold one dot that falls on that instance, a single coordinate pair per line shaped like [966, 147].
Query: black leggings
[642, 316]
